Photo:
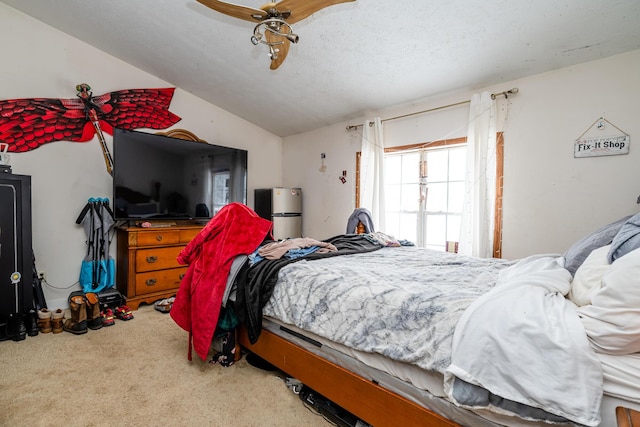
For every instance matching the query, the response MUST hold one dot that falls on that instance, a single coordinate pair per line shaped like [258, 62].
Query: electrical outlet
[42, 276]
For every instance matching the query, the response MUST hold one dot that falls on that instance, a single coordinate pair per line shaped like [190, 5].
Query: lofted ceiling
[352, 57]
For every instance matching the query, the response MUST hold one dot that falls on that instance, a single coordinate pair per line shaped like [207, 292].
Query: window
[402, 194]
[220, 190]
[445, 196]
[424, 192]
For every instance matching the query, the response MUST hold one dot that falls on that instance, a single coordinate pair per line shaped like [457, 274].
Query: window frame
[497, 233]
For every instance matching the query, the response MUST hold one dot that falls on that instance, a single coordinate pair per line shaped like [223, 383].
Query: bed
[408, 336]
[399, 335]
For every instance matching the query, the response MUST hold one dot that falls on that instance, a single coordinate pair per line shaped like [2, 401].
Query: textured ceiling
[352, 57]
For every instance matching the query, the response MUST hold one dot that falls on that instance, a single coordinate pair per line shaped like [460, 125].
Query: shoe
[164, 306]
[123, 313]
[57, 320]
[78, 323]
[107, 317]
[16, 328]
[44, 320]
[94, 317]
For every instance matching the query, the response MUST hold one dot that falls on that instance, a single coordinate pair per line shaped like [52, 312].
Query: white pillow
[588, 277]
[612, 320]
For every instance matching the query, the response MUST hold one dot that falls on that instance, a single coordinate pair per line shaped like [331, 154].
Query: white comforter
[524, 342]
[402, 303]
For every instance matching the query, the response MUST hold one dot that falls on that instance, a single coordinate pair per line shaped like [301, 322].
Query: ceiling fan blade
[283, 48]
[301, 9]
[235, 10]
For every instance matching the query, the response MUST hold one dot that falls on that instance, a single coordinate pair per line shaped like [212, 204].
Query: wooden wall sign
[602, 146]
[596, 145]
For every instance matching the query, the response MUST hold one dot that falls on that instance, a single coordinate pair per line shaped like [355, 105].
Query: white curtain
[372, 172]
[478, 222]
[421, 240]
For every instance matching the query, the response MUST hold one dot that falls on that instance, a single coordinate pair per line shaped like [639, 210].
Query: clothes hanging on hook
[97, 271]
[94, 202]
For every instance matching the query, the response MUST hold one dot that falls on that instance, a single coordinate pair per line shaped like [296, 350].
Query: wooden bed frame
[363, 398]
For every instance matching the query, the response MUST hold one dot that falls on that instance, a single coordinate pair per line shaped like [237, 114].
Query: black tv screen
[159, 177]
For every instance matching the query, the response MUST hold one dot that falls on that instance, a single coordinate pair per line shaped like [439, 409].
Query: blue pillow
[579, 251]
[627, 239]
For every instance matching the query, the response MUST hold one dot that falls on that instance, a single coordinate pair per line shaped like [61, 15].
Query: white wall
[551, 199]
[42, 62]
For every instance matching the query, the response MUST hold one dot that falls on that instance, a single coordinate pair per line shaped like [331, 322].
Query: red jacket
[234, 230]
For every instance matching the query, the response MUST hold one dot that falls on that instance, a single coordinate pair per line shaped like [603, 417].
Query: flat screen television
[160, 177]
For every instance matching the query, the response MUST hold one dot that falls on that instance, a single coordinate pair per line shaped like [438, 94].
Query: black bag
[110, 298]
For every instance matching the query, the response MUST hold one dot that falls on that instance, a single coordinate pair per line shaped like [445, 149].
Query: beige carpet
[136, 373]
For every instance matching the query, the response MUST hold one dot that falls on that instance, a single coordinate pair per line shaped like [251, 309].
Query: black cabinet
[16, 255]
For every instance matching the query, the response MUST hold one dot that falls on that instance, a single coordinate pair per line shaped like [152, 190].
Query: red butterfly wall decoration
[26, 124]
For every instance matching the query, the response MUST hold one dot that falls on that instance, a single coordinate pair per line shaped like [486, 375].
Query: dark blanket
[255, 284]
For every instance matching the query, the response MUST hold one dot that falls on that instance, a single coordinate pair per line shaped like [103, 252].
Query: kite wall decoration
[26, 124]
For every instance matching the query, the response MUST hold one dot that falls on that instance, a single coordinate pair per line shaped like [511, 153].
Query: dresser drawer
[158, 237]
[188, 234]
[157, 258]
[159, 280]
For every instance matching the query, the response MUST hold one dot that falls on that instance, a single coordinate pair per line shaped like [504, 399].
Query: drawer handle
[159, 237]
[182, 276]
[152, 259]
[150, 282]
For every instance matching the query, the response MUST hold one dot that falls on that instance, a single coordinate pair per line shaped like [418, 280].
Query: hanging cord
[597, 120]
[60, 287]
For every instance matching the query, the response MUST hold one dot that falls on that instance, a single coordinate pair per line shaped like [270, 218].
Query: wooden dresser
[147, 269]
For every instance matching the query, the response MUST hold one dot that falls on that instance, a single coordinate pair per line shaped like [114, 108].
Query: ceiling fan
[274, 21]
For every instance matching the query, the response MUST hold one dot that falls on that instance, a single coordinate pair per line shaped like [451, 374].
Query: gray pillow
[579, 251]
[627, 239]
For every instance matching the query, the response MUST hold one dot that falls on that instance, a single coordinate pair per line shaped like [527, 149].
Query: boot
[31, 321]
[44, 320]
[57, 318]
[15, 327]
[94, 318]
[78, 322]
